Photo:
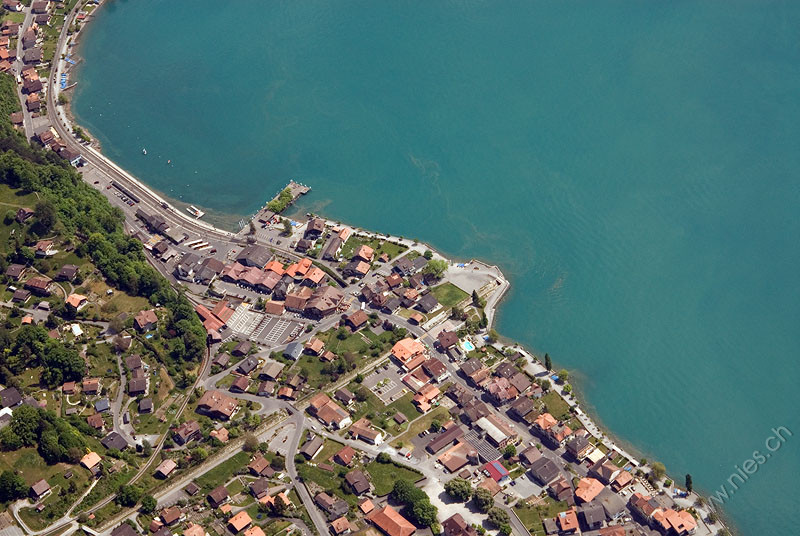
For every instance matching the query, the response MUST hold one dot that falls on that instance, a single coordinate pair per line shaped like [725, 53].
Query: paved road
[316, 516]
[116, 405]
[18, 66]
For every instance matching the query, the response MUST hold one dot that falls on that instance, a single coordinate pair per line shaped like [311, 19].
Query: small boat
[169, 162]
[144, 151]
[194, 211]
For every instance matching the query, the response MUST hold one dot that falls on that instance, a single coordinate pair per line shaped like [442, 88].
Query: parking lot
[280, 443]
[386, 384]
[263, 329]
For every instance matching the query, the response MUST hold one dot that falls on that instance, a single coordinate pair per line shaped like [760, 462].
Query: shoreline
[575, 398]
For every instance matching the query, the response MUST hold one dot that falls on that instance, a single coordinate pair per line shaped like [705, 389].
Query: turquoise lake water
[632, 166]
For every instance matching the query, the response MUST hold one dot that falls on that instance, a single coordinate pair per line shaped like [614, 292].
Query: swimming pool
[467, 346]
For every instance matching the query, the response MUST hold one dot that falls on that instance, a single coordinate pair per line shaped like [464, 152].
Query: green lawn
[107, 485]
[235, 487]
[56, 504]
[329, 448]
[102, 362]
[405, 406]
[383, 475]
[556, 405]
[423, 423]
[531, 516]
[380, 247]
[310, 368]
[354, 343]
[31, 465]
[448, 294]
[328, 480]
[222, 472]
[225, 381]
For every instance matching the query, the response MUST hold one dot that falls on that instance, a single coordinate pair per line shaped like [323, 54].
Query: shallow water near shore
[632, 167]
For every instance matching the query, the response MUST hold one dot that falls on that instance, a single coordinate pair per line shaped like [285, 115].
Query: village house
[187, 432]
[579, 447]
[356, 268]
[171, 515]
[357, 320]
[265, 388]
[427, 303]
[311, 447]
[588, 489]
[259, 488]
[455, 525]
[424, 398]
[323, 302]
[357, 482]
[363, 430]
[271, 370]
[145, 405]
[218, 496]
[328, 412]
[40, 490]
[340, 526]
[145, 320]
[68, 272]
[137, 386]
[239, 522]
[90, 386]
[40, 6]
[390, 522]
[559, 434]
[21, 296]
[344, 396]
[165, 468]
[476, 372]
[545, 471]
[605, 471]
[345, 456]
[114, 441]
[217, 405]
[32, 102]
[436, 369]
[39, 285]
[410, 353]
[220, 434]
[260, 466]
[12, 5]
[247, 365]
[95, 421]
[90, 460]
[314, 346]
[16, 271]
[331, 505]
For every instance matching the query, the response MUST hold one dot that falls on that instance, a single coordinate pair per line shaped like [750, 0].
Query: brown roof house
[390, 522]
[328, 412]
[145, 320]
[332, 505]
[165, 468]
[39, 285]
[218, 496]
[40, 490]
[217, 405]
[186, 432]
[357, 482]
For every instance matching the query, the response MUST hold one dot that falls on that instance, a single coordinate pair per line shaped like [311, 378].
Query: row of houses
[48, 137]
[394, 291]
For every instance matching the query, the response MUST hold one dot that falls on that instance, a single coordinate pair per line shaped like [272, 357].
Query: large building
[410, 353]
